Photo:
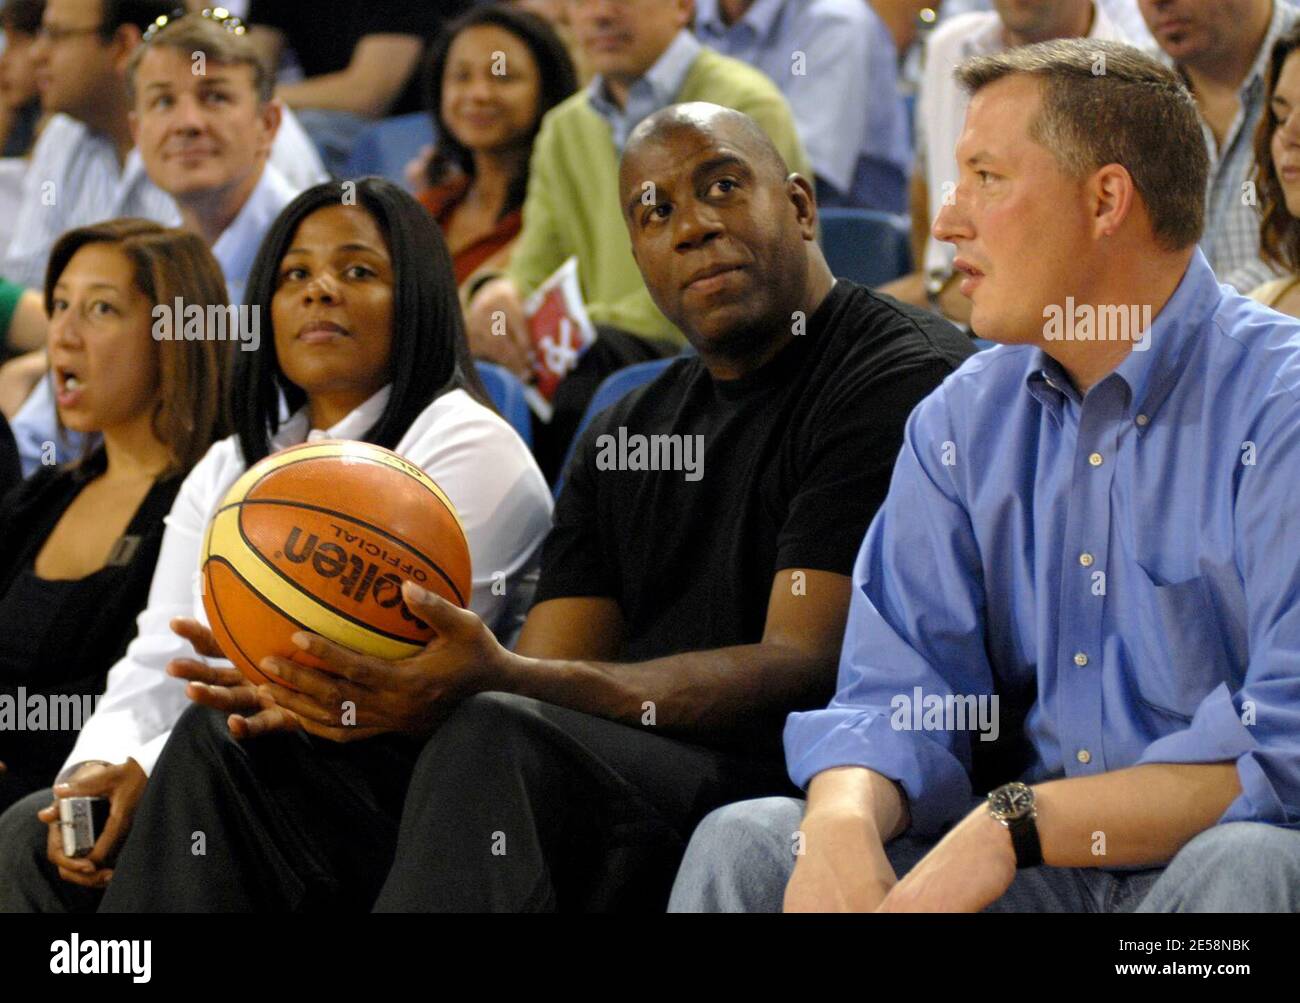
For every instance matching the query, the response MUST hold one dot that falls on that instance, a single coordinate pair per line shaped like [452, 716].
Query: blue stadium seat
[387, 146]
[615, 387]
[869, 247]
[507, 393]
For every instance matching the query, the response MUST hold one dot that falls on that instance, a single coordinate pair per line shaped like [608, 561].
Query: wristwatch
[1013, 806]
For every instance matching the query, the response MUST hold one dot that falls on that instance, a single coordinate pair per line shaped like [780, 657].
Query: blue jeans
[741, 857]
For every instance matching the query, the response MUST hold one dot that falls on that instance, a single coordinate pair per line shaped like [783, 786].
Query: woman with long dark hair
[493, 74]
[79, 539]
[1277, 175]
[364, 341]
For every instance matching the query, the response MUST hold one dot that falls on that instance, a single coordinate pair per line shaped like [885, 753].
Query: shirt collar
[1284, 15]
[1149, 372]
[989, 39]
[353, 425]
[664, 79]
[760, 18]
[237, 246]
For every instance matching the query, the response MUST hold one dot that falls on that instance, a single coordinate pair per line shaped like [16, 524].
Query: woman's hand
[252, 710]
[123, 785]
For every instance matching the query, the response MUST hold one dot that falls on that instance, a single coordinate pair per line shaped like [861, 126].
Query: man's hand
[843, 867]
[356, 696]
[497, 330]
[18, 378]
[416, 171]
[123, 785]
[251, 710]
[970, 868]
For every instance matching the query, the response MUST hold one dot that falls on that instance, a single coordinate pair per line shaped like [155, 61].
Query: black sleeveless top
[58, 639]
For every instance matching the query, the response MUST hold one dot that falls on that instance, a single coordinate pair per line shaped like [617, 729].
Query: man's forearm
[861, 794]
[332, 91]
[726, 690]
[1140, 815]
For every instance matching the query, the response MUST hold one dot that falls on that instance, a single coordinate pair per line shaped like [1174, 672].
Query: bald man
[693, 592]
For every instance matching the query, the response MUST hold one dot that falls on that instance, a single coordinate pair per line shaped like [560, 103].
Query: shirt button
[1085, 560]
[1143, 420]
[1083, 756]
[1095, 459]
[1080, 659]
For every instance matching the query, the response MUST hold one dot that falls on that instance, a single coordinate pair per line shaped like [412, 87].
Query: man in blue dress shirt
[1085, 579]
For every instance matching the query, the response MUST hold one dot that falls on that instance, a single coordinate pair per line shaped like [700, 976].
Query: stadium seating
[507, 393]
[387, 146]
[615, 387]
[866, 246]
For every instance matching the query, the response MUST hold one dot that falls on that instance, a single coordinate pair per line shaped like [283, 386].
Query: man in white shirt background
[205, 145]
[84, 168]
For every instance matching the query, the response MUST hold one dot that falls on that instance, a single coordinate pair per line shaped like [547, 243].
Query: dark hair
[1279, 233]
[140, 13]
[1105, 103]
[429, 354]
[23, 17]
[191, 412]
[558, 81]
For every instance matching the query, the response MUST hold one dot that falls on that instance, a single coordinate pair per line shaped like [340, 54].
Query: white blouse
[470, 452]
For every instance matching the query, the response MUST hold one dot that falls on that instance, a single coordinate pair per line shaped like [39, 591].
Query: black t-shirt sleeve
[302, 23]
[276, 14]
[575, 560]
[851, 457]
[403, 17]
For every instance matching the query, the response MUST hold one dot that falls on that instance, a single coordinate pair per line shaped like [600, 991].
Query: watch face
[1011, 802]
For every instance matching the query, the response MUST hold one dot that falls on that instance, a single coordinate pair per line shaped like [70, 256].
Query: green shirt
[10, 294]
[572, 206]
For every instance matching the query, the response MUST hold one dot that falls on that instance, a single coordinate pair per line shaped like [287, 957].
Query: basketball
[320, 538]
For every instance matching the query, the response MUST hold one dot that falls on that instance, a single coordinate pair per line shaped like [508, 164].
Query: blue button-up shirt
[656, 88]
[1125, 564]
[837, 65]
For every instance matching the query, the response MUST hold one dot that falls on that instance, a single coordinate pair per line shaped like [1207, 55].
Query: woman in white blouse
[365, 341]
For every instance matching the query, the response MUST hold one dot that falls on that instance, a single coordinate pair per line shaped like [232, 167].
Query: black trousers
[511, 805]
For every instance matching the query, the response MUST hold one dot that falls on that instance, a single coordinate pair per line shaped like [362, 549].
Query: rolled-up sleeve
[915, 634]
[1258, 725]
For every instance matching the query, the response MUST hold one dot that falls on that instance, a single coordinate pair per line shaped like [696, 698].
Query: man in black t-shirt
[693, 592]
[360, 61]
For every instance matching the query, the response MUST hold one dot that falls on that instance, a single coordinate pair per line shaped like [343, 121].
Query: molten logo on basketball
[320, 538]
[358, 576]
